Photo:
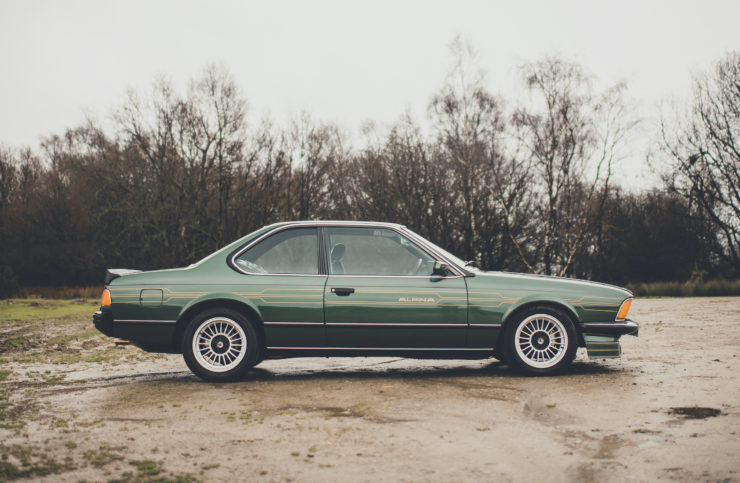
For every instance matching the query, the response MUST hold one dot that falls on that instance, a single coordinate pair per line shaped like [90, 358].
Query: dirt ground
[669, 409]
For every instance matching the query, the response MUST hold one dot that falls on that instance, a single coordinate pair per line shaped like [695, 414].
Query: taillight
[105, 299]
[622, 314]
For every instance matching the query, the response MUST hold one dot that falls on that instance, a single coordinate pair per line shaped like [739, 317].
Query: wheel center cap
[220, 344]
[540, 340]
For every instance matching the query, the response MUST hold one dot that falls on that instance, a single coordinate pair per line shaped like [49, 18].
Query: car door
[283, 278]
[381, 293]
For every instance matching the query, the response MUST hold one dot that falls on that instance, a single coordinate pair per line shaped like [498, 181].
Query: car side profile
[330, 288]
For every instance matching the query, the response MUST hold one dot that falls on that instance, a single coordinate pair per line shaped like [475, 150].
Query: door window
[293, 251]
[374, 251]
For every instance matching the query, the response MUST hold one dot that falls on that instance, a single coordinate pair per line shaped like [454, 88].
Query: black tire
[227, 345]
[540, 340]
[499, 352]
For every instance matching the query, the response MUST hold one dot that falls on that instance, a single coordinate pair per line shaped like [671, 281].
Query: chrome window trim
[426, 243]
[418, 241]
[267, 234]
[399, 229]
[391, 276]
[235, 242]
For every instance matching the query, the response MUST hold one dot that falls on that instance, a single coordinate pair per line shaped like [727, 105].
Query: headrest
[337, 252]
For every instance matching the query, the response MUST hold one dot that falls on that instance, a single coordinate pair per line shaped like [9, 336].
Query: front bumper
[103, 321]
[611, 329]
[602, 338]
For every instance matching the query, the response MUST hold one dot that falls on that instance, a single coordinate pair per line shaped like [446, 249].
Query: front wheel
[541, 341]
[220, 345]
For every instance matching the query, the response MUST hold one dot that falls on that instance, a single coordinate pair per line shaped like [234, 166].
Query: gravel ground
[669, 409]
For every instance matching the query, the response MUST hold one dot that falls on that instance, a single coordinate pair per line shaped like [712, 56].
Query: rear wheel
[220, 345]
[541, 341]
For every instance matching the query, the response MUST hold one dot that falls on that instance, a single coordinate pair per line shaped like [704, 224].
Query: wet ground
[668, 410]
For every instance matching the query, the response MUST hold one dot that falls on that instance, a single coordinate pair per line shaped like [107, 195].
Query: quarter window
[293, 251]
[374, 251]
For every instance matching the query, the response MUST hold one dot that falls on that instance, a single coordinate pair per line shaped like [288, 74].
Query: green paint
[600, 347]
[386, 312]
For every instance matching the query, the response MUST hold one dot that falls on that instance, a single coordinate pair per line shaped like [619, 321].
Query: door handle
[342, 292]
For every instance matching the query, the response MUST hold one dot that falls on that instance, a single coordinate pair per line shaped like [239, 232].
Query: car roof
[339, 223]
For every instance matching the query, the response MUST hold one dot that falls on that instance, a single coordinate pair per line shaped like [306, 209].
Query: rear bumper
[611, 329]
[152, 336]
[103, 321]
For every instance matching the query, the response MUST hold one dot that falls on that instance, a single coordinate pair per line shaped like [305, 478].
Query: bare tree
[704, 148]
[192, 145]
[572, 136]
[8, 184]
[470, 126]
[312, 148]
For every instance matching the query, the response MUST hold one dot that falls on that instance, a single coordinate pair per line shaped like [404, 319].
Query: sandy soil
[373, 419]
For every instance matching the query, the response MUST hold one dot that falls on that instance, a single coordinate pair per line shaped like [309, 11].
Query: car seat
[337, 253]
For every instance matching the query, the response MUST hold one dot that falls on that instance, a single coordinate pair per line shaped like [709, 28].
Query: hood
[553, 280]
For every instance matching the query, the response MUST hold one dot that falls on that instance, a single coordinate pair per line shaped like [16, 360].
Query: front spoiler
[602, 338]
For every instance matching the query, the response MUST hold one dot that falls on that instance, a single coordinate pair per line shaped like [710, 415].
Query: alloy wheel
[219, 344]
[541, 341]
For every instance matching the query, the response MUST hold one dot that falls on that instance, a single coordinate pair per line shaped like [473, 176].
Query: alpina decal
[418, 300]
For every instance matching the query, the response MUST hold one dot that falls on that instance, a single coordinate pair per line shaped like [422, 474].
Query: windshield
[457, 261]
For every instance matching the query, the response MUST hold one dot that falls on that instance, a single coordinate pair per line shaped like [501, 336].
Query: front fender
[543, 298]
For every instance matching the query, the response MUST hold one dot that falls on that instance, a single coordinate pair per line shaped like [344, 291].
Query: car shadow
[491, 369]
[370, 371]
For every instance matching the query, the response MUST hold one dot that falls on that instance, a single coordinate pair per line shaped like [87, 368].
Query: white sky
[343, 61]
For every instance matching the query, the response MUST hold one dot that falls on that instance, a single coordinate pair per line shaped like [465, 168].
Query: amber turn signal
[622, 314]
[105, 299]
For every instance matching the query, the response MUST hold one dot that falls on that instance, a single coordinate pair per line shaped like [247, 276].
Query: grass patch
[40, 309]
[19, 461]
[63, 292]
[147, 467]
[69, 356]
[103, 455]
[13, 415]
[700, 288]
[54, 332]
[66, 339]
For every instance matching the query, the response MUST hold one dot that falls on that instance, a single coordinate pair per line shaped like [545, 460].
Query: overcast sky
[343, 61]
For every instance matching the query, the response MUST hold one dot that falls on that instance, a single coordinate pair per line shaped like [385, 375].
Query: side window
[292, 251]
[371, 251]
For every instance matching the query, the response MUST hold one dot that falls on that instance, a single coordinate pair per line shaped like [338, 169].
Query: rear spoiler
[113, 273]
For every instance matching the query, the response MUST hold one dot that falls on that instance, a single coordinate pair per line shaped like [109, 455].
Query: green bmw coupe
[326, 288]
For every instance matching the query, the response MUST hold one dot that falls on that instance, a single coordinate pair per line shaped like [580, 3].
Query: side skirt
[407, 352]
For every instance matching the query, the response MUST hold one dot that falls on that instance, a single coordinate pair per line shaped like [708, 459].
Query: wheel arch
[535, 301]
[217, 301]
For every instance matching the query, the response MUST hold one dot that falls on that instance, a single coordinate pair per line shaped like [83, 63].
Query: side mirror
[440, 269]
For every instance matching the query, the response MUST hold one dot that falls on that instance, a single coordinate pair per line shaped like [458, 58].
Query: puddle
[695, 412]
